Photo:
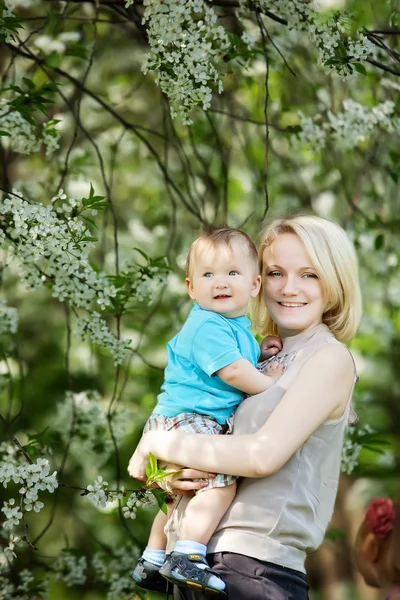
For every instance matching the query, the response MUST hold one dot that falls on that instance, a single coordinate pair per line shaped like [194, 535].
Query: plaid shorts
[192, 423]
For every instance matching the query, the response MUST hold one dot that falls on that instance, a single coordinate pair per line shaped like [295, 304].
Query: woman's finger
[193, 474]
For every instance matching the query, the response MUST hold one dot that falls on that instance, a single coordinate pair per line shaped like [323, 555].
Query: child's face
[223, 279]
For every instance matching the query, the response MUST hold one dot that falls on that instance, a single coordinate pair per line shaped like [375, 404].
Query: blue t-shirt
[206, 343]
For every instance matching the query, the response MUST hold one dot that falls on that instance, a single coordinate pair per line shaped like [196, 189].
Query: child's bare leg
[201, 518]
[204, 512]
[157, 538]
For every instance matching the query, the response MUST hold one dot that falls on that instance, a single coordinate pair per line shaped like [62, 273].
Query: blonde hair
[223, 236]
[334, 258]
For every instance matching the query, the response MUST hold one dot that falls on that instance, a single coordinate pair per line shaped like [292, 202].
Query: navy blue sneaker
[181, 569]
[147, 576]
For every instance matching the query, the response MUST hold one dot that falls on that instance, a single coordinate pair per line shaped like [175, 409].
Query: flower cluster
[137, 500]
[70, 569]
[112, 570]
[99, 494]
[350, 127]
[380, 517]
[33, 478]
[22, 135]
[5, 31]
[186, 45]
[95, 329]
[148, 281]
[328, 34]
[8, 319]
[91, 435]
[52, 246]
[11, 589]
[352, 447]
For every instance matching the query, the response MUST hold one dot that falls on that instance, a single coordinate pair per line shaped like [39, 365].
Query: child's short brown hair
[223, 236]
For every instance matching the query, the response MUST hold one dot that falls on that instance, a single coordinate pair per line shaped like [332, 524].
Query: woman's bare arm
[320, 391]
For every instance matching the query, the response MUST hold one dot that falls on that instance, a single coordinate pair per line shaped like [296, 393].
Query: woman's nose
[290, 287]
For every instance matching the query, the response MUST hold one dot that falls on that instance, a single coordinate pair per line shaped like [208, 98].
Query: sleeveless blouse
[283, 517]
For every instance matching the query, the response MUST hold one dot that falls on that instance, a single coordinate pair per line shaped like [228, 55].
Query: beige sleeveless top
[283, 517]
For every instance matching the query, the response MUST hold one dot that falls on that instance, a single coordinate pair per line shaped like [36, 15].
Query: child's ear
[256, 286]
[371, 548]
[189, 288]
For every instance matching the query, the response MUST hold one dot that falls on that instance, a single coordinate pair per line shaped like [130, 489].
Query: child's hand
[275, 370]
[270, 346]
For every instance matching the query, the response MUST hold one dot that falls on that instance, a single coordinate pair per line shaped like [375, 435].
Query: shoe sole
[181, 581]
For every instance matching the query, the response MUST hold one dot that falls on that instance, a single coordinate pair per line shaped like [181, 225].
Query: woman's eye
[233, 273]
[310, 276]
[207, 275]
[274, 274]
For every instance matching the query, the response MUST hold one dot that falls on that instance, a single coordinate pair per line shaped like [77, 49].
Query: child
[211, 362]
[377, 547]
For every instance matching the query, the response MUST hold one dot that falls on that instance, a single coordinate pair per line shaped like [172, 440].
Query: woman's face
[292, 291]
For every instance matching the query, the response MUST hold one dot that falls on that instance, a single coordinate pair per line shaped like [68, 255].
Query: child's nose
[221, 283]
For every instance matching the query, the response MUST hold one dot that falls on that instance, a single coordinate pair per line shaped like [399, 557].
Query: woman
[288, 439]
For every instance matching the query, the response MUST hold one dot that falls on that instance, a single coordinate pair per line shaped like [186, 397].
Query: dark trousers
[250, 579]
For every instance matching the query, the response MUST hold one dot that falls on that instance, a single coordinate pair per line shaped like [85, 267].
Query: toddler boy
[211, 363]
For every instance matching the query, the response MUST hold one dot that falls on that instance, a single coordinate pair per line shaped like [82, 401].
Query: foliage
[126, 128]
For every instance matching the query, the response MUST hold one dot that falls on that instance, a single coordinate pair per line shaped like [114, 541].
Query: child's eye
[207, 274]
[274, 274]
[233, 273]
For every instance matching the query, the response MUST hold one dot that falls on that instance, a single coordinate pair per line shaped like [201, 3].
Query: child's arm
[242, 375]
[270, 346]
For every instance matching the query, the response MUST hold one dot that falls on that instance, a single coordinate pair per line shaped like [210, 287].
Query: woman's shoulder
[333, 357]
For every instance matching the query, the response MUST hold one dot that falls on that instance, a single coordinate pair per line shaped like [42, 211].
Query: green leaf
[90, 221]
[29, 83]
[78, 51]
[54, 60]
[142, 253]
[332, 61]
[342, 49]
[360, 68]
[5, 133]
[379, 241]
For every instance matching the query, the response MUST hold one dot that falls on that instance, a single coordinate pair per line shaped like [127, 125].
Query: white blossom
[350, 127]
[91, 434]
[98, 493]
[70, 569]
[8, 318]
[24, 137]
[95, 329]
[186, 45]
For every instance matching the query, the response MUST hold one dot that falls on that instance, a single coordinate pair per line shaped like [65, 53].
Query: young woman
[287, 440]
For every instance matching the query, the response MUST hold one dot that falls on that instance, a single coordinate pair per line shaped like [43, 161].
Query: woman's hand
[140, 459]
[181, 482]
[184, 481]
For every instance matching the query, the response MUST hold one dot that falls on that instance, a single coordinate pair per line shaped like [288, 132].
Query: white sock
[190, 547]
[156, 557]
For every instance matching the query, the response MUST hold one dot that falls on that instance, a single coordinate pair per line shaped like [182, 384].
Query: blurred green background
[164, 182]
